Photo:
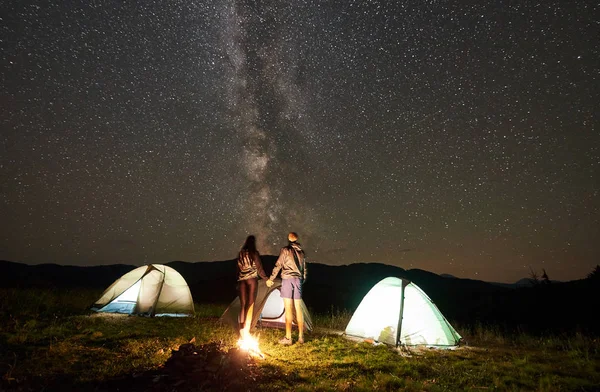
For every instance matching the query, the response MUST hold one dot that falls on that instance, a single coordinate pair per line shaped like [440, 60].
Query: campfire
[249, 344]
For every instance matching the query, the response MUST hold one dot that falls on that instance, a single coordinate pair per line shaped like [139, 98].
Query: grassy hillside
[50, 342]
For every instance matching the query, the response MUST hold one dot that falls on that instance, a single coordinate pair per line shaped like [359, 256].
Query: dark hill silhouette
[556, 306]
[59, 276]
[447, 276]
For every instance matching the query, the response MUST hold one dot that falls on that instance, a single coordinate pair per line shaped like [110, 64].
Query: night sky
[455, 137]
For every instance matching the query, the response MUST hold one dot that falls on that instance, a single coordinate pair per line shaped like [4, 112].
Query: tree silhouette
[545, 279]
[595, 274]
[533, 277]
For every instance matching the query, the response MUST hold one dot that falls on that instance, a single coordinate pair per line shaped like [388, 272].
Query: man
[292, 264]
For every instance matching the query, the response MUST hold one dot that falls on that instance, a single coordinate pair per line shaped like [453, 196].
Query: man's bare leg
[289, 317]
[299, 319]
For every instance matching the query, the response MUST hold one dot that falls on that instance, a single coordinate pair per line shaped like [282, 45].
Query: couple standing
[292, 264]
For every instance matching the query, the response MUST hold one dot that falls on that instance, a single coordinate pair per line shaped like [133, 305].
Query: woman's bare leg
[243, 294]
[251, 298]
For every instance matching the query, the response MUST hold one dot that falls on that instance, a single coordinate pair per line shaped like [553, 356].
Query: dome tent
[397, 312]
[150, 290]
[269, 310]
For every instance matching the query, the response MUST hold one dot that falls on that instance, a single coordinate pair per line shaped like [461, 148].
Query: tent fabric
[269, 310]
[151, 290]
[397, 312]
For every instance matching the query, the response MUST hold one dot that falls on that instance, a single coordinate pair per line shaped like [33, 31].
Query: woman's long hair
[250, 244]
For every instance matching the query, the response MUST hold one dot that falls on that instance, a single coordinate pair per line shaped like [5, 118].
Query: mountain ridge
[519, 283]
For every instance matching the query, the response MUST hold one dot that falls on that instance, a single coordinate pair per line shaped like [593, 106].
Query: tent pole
[401, 315]
[137, 300]
[162, 283]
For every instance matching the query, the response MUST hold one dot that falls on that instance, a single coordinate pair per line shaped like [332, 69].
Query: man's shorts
[291, 288]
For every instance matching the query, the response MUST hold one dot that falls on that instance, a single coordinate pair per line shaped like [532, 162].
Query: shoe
[300, 341]
[285, 341]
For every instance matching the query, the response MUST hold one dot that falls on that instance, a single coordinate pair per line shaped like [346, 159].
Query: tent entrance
[274, 307]
[124, 303]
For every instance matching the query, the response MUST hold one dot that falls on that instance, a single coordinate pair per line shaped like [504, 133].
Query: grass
[49, 339]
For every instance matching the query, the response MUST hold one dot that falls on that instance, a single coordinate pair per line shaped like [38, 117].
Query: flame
[249, 343]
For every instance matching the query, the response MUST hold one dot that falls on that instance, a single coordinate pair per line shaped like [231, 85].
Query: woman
[249, 269]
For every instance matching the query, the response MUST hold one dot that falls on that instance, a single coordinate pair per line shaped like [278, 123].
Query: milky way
[455, 138]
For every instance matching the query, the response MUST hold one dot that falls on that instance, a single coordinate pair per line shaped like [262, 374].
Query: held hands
[269, 283]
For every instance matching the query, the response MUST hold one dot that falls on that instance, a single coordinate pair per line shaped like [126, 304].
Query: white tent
[269, 310]
[397, 312]
[150, 290]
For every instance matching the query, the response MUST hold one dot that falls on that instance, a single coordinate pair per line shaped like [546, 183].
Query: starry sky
[454, 137]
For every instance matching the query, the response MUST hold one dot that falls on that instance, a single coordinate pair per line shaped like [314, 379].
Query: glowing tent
[269, 310]
[151, 290]
[397, 312]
